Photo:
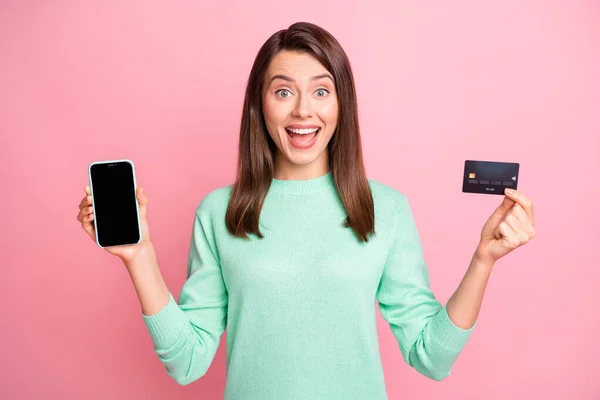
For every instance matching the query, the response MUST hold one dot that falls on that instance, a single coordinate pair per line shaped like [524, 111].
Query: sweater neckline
[301, 186]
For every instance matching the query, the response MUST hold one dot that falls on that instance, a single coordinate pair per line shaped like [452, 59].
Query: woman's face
[300, 108]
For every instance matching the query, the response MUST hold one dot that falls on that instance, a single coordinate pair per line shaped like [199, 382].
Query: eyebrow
[287, 78]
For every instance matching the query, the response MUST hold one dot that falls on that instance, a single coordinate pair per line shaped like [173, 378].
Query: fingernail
[509, 191]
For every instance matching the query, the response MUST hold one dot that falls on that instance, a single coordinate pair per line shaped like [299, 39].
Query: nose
[303, 107]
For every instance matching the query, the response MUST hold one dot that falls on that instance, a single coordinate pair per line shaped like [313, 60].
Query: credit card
[490, 177]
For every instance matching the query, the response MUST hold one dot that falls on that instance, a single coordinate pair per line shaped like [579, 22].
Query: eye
[322, 90]
[282, 90]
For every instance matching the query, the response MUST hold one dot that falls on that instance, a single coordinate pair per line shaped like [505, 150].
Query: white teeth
[303, 131]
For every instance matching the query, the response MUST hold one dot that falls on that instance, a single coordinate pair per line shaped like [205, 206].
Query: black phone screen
[114, 202]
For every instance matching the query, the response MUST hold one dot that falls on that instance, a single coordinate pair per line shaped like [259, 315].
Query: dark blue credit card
[490, 177]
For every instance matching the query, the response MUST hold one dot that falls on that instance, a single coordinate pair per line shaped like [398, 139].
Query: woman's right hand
[127, 253]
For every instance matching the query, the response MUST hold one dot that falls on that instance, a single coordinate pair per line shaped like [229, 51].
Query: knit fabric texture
[300, 304]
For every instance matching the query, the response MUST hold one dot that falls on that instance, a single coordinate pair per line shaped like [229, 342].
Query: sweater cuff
[166, 326]
[446, 334]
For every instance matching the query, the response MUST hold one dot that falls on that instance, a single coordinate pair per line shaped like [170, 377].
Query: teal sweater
[299, 304]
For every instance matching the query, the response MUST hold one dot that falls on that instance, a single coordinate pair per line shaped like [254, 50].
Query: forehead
[294, 64]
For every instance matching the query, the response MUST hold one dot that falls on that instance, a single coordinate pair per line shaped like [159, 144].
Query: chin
[306, 158]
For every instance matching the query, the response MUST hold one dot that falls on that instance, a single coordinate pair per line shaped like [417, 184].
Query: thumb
[506, 204]
[143, 201]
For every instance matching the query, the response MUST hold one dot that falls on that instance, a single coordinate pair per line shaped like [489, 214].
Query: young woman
[291, 257]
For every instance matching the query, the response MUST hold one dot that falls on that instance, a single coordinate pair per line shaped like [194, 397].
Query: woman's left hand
[509, 227]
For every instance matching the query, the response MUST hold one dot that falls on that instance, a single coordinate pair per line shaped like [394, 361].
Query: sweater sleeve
[186, 335]
[429, 341]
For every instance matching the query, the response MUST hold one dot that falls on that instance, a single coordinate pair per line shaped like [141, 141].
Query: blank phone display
[114, 202]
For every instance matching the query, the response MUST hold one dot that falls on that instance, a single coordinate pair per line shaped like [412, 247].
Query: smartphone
[114, 203]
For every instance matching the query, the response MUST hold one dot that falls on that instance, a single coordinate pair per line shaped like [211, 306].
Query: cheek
[273, 120]
[267, 111]
[329, 112]
[274, 111]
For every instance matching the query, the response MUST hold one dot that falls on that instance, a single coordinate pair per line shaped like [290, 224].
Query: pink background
[162, 83]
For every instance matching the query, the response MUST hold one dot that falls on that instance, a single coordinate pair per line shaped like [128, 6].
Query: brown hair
[255, 169]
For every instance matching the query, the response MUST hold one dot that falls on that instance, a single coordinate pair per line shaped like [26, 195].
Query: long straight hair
[255, 169]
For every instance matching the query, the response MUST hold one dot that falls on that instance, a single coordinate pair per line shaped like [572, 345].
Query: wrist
[481, 258]
[143, 257]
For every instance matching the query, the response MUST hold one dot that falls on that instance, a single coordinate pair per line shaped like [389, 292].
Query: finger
[88, 224]
[143, 202]
[506, 204]
[86, 217]
[521, 215]
[87, 189]
[85, 211]
[81, 215]
[87, 200]
[520, 198]
[509, 237]
[507, 216]
[518, 228]
[518, 212]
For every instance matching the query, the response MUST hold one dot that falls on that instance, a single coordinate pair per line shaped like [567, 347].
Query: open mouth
[303, 136]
